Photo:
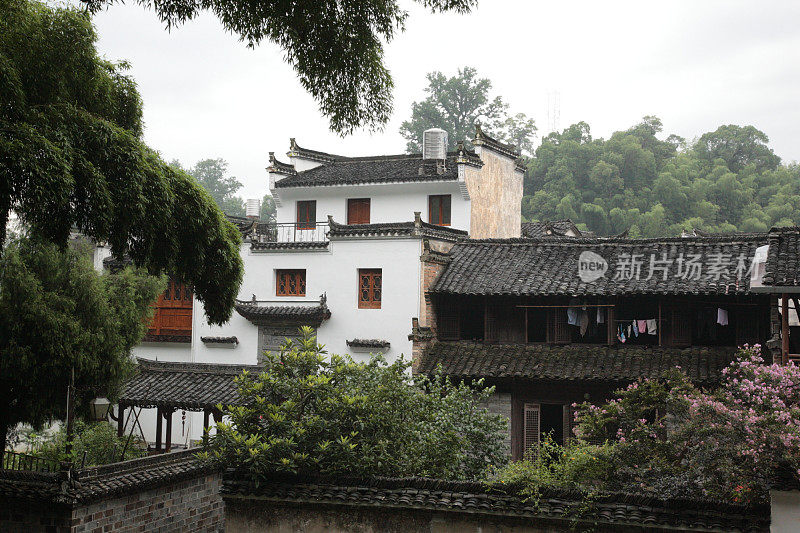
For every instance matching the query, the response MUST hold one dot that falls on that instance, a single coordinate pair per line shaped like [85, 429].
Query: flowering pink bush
[673, 439]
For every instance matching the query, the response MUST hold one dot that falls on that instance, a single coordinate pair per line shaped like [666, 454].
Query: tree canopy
[71, 156]
[456, 104]
[652, 185]
[312, 414]
[57, 313]
[212, 175]
[336, 47]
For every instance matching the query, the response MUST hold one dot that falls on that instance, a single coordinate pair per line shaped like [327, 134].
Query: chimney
[434, 144]
[252, 208]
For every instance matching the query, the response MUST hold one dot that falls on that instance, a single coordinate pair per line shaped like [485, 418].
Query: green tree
[456, 104]
[335, 47]
[268, 210]
[71, 156]
[58, 314]
[308, 412]
[212, 175]
[738, 146]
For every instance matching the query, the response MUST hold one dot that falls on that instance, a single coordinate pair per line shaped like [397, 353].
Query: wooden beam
[784, 328]
[159, 421]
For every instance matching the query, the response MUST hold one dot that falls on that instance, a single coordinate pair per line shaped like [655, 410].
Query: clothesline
[566, 306]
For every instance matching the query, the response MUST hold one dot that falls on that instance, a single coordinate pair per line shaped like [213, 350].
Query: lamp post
[99, 409]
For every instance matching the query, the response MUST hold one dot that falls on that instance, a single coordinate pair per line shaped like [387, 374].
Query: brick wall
[166, 493]
[191, 505]
[500, 404]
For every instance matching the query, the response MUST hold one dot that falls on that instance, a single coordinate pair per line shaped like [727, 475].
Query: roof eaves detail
[312, 155]
[484, 140]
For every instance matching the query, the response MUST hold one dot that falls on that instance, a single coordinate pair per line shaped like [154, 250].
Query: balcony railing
[293, 232]
[22, 461]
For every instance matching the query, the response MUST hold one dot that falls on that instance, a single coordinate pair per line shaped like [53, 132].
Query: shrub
[98, 440]
[312, 414]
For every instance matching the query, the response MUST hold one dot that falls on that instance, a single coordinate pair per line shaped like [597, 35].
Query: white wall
[388, 203]
[785, 511]
[333, 272]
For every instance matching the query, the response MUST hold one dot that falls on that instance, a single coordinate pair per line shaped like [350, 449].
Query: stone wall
[496, 194]
[166, 493]
[500, 404]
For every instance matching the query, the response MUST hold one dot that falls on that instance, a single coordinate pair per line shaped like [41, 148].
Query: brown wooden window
[531, 428]
[290, 283]
[173, 311]
[439, 209]
[307, 214]
[370, 288]
[358, 211]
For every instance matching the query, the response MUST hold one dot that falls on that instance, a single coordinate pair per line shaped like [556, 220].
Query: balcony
[291, 235]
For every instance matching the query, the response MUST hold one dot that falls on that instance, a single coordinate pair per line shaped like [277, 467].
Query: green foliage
[336, 47]
[728, 180]
[71, 156]
[310, 413]
[268, 210]
[56, 314]
[576, 465]
[211, 175]
[98, 440]
[456, 104]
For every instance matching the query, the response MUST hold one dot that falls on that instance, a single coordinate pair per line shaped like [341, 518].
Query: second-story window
[439, 209]
[307, 214]
[358, 211]
[370, 288]
[290, 282]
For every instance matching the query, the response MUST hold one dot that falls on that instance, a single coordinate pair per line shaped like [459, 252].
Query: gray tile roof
[99, 482]
[557, 509]
[376, 169]
[396, 229]
[368, 343]
[259, 314]
[549, 266]
[573, 362]
[546, 228]
[783, 259]
[192, 386]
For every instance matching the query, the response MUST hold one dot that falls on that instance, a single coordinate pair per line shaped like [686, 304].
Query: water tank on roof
[434, 144]
[252, 208]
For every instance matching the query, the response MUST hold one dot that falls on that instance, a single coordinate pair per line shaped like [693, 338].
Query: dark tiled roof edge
[368, 343]
[279, 167]
[422, 229]
[508, 501]
[314, 155]
[783, 258]
[256, 245]
[220, 340]
[195, 368]
[482, 139]
[256, 313]
[183, 339]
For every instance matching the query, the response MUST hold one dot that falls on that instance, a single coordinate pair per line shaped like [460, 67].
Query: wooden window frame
[350, 214]
[299, 275]
[441, 219]
[369, 302]
[305, 222]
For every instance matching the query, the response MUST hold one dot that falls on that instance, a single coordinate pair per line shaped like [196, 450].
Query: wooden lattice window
[439, 209]
[307, 214]
[358, 211]
[531, 428]
[370, 288]
[290, 283]
[173, 311]
[558, 331]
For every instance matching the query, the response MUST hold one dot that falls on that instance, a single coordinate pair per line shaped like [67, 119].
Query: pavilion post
[168, 415]
[120, 420]
[206, 414]
[784, 328]
[159, 419]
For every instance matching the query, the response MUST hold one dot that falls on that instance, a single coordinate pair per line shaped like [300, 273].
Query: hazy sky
[697, 64]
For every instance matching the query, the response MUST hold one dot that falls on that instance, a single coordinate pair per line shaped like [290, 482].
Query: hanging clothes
[621, 334]
[584, 321]
[722, 316]
[642, 325]
[628, 331]
[635, 327]
[652, 326]
[601, 315]
[572, 312]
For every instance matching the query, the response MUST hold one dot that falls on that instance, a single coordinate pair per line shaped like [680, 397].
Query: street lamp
[99, 408]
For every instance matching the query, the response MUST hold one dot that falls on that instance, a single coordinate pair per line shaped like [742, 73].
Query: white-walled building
[356, 243]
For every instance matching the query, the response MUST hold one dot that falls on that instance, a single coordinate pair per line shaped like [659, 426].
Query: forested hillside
[656, 185]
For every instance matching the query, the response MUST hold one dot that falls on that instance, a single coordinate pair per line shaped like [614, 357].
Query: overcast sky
[695, 64]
